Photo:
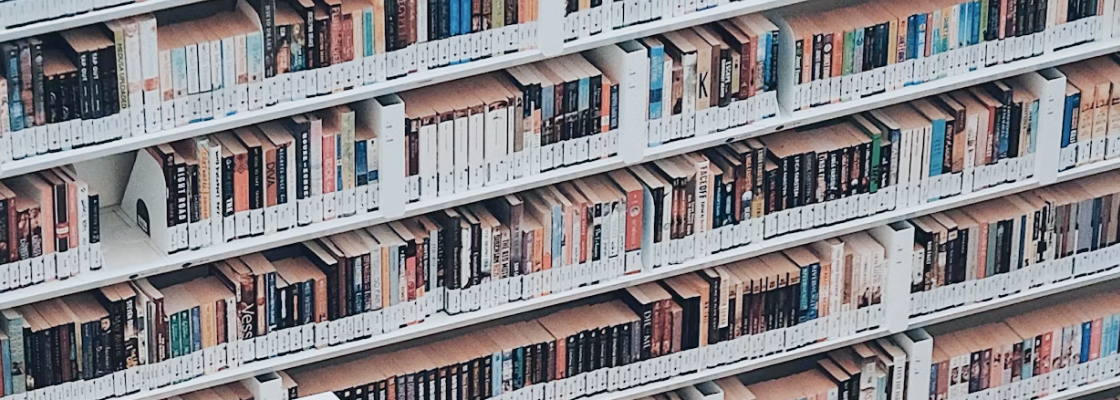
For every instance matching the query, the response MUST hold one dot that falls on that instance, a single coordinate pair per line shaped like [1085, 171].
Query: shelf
[823, 113]
[413, 81]
[444, 323]
[89, 18]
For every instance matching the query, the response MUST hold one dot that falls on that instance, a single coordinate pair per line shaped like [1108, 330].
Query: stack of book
[15, 13]
[1027, 356]
[852, 52]
[51, 228]
[72, 90]
[1090, 132]
[1008, 245]
[711, 77]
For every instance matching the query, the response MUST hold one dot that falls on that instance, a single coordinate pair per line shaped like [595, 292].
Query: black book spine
[391, 30]
[97, 86]
[311, 39]
[70, 91]
[282, 174]
[993, 20]
[794, 174]
[110, 95]
[808, 178]
[37, 82]
[53, 102]
[323, 40]
[182, 194]
[195, 197]
[94, 218]
[85, 86]
[256, 179]
[725, 93]
[61, 214]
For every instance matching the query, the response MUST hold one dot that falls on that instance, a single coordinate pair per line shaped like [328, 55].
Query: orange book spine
[656, 331]
[634, 212]
[328, 163]
[410, 275]
[538, 250]
[385, 287]
[567, 248]
[583, 227]
[981, 249]
[270, 195]
[1095, 342]
[420, 278]
[320, 300]
[241, 182]
[72, 214]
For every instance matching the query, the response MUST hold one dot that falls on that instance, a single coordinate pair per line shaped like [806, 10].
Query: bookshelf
[89, 18]
[140, 260]
[442, 323]
[129, 255]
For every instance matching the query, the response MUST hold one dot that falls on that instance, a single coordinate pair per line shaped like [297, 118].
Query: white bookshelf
[129, 254]
[412, 81]
[89, 18]
[441, 323]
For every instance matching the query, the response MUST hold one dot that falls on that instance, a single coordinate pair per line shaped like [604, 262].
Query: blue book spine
[272, 311]
[453, 12]
[656, 78]
[920, 48]
[518, 368]
[1028, 363]
[803, 304]
[496, 373]
[1032, 135]
[6, 354]
[976, 25]
[1005, 135]
[338, 165]
[935, 36]
[963, 22]
[464, 16]
[367, 30]
[1086, 341]
[584, 93]
[1066, 118]
[196, 330]
[15, 104]
[361, 168]
[766, 70]
[557, 236]
[815, 290]
[937, 150]
[933, 381]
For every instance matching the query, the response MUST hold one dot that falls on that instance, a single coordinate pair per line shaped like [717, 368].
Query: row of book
[1007, 245]
[875, 370]
[740, 311]
[710, 77]
[121, 78]
[1035, 354]
[15, 13]
[254, 180]
[67, 90]
[319, 166]
[157, 331]
[585, 18]
[856, 51]
[359, 284]
[50, 228]
[1089, 130]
